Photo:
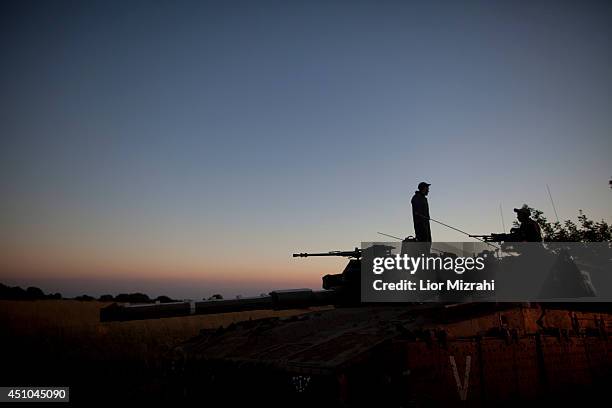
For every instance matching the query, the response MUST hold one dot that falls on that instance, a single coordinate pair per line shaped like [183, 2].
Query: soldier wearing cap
[529, 230]
[420, 213]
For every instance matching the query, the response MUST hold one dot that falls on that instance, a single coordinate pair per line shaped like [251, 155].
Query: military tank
[414, 354]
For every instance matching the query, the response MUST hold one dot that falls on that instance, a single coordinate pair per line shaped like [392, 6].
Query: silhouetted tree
[34, 293]
[133, 298]
[164, 299]
[31, 293]
[106, 298]
[84, 298]
[11, 292]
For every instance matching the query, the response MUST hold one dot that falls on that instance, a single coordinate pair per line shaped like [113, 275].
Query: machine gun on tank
[513, 236]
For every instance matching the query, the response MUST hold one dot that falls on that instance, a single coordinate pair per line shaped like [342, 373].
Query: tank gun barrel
[356, 253]
[333, 294]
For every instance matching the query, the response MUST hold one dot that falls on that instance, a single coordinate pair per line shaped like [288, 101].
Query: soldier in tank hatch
[529, 230]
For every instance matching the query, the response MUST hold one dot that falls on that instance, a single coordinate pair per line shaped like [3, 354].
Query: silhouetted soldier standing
[420, 215]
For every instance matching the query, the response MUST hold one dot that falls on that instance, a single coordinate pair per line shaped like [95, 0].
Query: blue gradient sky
[186, 148]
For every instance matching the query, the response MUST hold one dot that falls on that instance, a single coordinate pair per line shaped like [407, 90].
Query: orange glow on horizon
[286, 272]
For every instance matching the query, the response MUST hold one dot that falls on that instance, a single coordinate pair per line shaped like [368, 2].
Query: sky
[189, 148]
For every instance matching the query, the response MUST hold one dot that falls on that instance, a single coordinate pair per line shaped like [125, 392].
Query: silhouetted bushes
[106, 298]
[31, 293]
[164, 299]
[34, 293]
[585, 230]
[84, 298]
[132, 298]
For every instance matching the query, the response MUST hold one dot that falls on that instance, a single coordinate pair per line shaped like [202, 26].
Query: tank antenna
[456, 229]
[501, 212]
[387, 235]
[552, 202]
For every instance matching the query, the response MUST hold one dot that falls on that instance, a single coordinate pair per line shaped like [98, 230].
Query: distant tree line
[34, 293]
[134, 298]
[31, 293]
[585, 230]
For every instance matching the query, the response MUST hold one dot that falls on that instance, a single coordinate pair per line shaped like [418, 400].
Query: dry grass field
[59, 342]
